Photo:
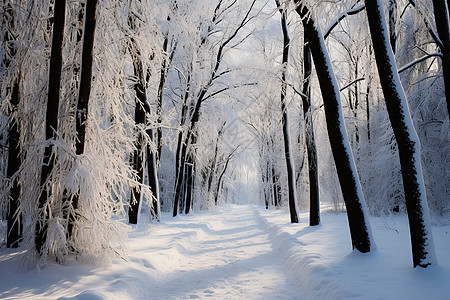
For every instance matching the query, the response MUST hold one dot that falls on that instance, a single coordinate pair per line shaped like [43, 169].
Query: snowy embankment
[321, 261]
[241, 252]
[316, 279]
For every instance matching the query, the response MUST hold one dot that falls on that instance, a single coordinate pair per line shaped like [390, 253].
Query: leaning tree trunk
[343, 158]
[314, 209]
[406, 136]
[51, 121]
[84, 92]
[287, 143]
[442, 25]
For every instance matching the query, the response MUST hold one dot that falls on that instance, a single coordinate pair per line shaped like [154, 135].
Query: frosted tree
[141, 114]
[51, 121]
[210, 82]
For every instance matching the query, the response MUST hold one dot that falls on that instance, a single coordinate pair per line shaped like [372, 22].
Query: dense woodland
[114, 109]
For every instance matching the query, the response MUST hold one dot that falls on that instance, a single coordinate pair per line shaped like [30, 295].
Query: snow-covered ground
[242, 252]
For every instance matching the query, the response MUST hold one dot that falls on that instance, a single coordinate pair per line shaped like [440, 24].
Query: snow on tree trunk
[84, 92]
[406, 136]
[360, 230]
[51, 121]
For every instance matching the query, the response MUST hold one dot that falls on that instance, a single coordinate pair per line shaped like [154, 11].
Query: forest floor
[242, 252]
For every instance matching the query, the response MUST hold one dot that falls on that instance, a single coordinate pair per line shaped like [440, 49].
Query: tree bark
[293, 210]
[162, 82]
[142, 108]
[345, 165]
[314, 205]
[152, 173]
[219, 181]
[14, 220]
[51, 121]
[392, 20]
[14, 228]
[84, 94]
[406, 136]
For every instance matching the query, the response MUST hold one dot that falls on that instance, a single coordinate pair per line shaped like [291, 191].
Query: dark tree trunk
[51, 120]
[152, 172]
[189, 182]
[442, 24]
[180, 180]
[14, 220]
[162, 82]
[287, 143]
[276, 188]
[406, 136]
[184, 110]
[314, 209]
[14, 228]
[219, 181]
[142, 108]
[212, 167]
[392, 8]
[340, 146]
[139, 118]
[85, 91]
[265, 182]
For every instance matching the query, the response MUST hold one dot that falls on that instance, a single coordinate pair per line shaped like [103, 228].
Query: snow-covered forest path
[223, 254]
[219, 255]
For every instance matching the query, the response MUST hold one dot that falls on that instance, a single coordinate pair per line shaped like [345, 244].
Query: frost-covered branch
[341, 16]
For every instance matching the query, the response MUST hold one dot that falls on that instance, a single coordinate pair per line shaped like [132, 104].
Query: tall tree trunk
[14, 228]
[180, 180]
[139, 118]
[189, 181]
[184, 110]
[292, 191]
[162, 82]
[406, 136]
[84, 94]
[441, 17]
[314, 205]
[142, 108]
[14, 220]
[345, 165]
[152, 173]
[51, 121]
